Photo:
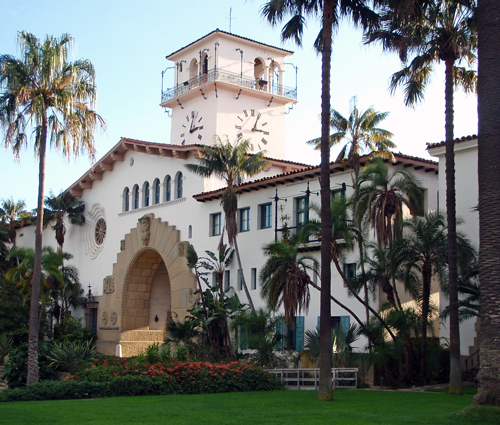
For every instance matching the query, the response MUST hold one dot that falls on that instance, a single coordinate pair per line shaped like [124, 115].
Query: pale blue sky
[127, 42]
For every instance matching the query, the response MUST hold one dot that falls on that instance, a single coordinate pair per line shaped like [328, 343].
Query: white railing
[308, 379]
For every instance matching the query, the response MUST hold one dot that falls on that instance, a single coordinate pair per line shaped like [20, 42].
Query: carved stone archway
[151, 256]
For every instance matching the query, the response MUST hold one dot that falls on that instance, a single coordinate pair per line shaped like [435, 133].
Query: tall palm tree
[231, 164]
[489, 199]
[62, 208]
[381, 197]
[438, 31]
[424, 251]
[54, 98]
[331, 12]
[12, 216]
[361, 133]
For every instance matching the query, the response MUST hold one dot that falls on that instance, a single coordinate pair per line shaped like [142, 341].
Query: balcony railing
[230, 78]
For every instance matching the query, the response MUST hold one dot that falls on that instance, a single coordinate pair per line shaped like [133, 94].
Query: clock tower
[226, 85]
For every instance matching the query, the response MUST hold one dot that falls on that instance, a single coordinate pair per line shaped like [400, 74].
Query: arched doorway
[148, 295]
[150, 284]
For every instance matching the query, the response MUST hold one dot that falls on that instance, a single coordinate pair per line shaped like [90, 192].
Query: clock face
[192, 129]
[250, 124]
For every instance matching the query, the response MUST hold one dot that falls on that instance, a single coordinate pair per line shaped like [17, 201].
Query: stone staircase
[3, 385]
[470, 363]
[135, 342]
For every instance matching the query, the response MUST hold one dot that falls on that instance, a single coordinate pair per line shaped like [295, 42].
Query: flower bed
[184, 377]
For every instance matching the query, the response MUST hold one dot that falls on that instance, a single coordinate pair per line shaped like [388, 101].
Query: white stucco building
[143, 207]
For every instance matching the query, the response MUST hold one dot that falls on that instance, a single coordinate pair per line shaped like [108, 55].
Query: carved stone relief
[109, 284]
[182, 249]
[104, 318]
[144, 225]
[114, 318]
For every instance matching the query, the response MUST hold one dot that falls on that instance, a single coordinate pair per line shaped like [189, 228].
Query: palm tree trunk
[489, 199]
[455, 369]
[37, 272]
[247, 292]
[325, 342]
[426, 289]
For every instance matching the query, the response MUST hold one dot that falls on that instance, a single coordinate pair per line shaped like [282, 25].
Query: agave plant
[71, 356]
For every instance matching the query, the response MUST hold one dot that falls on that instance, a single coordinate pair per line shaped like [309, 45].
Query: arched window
[178, 185]
[190, 231]
[156, 191]
[193, 69]
[168, 188]
[136, 197]
[258, 73]
[145, 194]
[126, 205]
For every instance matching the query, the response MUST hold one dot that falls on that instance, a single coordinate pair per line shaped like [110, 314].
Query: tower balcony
[236, 81]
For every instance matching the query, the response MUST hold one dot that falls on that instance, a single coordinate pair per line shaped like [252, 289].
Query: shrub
[186, 378]
[6, 343]
[55, 390]
[70, 356]
[16, 370]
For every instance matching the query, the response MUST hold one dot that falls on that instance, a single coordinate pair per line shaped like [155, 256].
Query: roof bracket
[269, 104]
[180, 104]
[203, 94]
[237, 97]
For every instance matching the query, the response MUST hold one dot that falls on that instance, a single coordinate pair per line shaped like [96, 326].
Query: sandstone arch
[151, 280]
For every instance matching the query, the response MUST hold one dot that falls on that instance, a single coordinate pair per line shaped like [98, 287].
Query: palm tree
[381, 197]
[440, 31]
[285, 279]
[361, 133]
[423, 250]
[489, 196]
[63, 208]
[24, 273]
[230, 163]
[13, 215]
[53, 97]
[331, 11]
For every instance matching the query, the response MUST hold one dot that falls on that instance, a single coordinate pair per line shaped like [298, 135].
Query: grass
[279, 407]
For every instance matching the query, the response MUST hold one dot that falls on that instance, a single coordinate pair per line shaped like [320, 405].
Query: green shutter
[345, 323]
[299, 333]
[279, 330]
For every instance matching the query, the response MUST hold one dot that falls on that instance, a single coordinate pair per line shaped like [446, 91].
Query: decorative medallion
[104, 318]
[109, 284]
[144, 225]
[95, 230]
[114, 318]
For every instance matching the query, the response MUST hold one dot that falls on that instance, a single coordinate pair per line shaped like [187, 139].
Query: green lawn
[279, 407]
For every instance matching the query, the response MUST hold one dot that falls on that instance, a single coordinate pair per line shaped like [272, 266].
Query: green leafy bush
[6, 343]
[55, 390]
[16, 370]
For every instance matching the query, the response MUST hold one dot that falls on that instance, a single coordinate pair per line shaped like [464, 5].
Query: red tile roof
[232, 35]
[457, 140]
[312, 172]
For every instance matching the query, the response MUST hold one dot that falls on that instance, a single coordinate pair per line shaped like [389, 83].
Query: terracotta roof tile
[457, 140]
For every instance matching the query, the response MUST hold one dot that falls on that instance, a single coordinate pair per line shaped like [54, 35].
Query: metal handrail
[230, 78]
[308, 379]
[471, 358]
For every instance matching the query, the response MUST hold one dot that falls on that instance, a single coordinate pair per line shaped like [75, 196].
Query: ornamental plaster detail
[94, 233]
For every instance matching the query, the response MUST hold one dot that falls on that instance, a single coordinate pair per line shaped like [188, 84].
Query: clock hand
[256, 121]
